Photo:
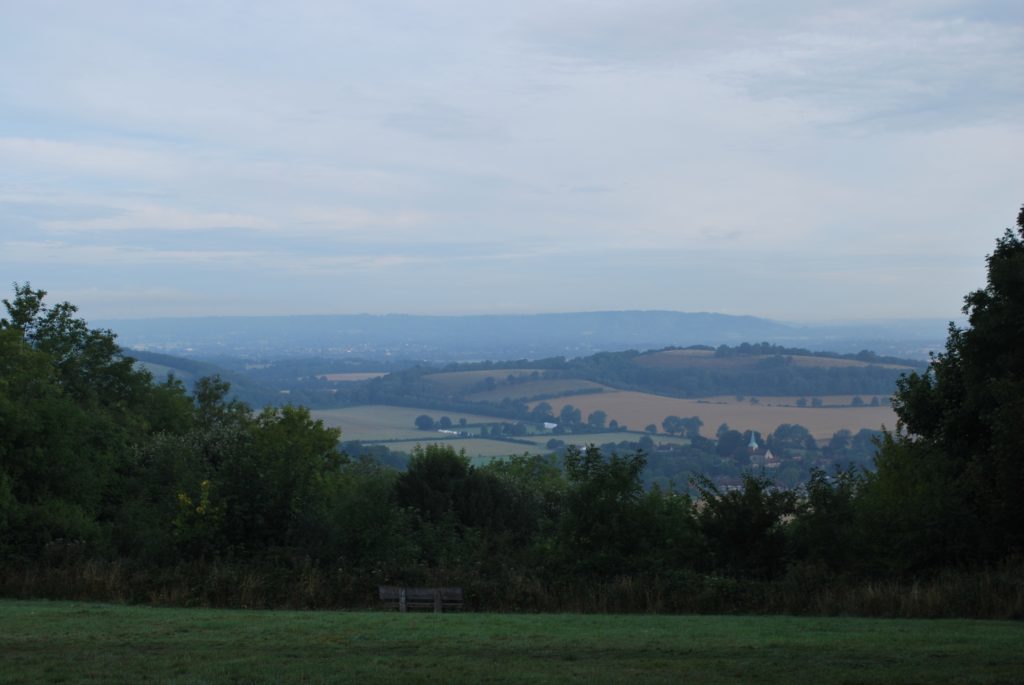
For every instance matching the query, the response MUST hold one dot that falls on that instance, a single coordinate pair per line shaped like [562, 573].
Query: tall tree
[960, 441]
[73, 411]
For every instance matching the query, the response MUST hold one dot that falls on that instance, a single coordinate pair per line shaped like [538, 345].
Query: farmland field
[484, 450]
[380, 422]
[395, 425]
[79, 642]
[633, 409]
[549, 386]
[636, 410]
[351, 377]
[832, 401]
[461, 381]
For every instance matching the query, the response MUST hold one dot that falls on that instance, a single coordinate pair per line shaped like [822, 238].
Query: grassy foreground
[72, 642]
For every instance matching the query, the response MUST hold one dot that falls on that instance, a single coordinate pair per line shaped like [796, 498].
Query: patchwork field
[633, 409]
[395, 425]
[549, 387]
[352, 377]
[636, 410]
[50, 642]
[832, 401]
[379, 422]
[462, 381]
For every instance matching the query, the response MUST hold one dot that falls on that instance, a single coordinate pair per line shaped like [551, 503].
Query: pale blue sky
[801, 161]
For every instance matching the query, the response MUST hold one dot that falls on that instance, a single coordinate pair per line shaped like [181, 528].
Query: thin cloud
[144, 217]
[88, 158]
[411, 153]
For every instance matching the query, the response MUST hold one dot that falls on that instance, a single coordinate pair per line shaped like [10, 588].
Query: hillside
[188, 371]
[502, 336]
[696, 372]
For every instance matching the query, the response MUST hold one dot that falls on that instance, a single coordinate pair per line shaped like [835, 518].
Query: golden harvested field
[789, 401]
[636, 410]
[380, 422]
[349, 377]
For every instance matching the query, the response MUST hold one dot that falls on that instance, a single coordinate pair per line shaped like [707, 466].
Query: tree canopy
[955, 468]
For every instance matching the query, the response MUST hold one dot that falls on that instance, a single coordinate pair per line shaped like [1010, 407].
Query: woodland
[118, 486]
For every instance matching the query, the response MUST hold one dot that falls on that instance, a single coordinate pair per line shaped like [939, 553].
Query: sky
[804, 161]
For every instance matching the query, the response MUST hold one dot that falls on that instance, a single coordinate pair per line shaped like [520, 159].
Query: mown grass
[59, 642]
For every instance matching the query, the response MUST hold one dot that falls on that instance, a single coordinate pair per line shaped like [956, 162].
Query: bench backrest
[438, 598]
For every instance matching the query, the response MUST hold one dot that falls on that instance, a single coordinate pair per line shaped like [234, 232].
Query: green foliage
[71, 410]
[916, 511]
[960, 440]
[275, 488]
[825, 529]
[99, 462]
[789, 437]
[609, 526]
[745, 528]
[441, 486]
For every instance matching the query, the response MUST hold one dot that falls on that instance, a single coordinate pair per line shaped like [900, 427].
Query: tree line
[101, 465]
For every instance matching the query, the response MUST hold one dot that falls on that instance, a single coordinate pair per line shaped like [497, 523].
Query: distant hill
[190, 370]
[635, 388]
[463, 338]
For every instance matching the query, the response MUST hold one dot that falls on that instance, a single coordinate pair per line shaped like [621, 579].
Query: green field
[584, 439]
[461, 381]
[371, 423]
[552, 387]
[379, 422]
[56, 642]
[633, 409]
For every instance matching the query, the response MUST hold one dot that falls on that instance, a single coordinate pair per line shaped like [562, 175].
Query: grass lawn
[58, 642]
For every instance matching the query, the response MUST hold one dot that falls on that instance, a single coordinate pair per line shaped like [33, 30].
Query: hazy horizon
[959, 318]
[801, 163]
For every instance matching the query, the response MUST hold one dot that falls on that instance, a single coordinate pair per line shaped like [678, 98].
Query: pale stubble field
[636, 410]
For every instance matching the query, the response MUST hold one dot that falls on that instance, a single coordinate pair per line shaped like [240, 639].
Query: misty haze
[614, 341]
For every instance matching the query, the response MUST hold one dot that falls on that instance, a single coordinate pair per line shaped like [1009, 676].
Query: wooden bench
[437, 598]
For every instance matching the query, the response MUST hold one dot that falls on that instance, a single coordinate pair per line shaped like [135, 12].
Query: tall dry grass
[992, 593]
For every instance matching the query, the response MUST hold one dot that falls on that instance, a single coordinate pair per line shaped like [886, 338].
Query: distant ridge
[500, 336]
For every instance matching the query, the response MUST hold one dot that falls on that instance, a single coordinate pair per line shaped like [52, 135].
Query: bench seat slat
[422, 597]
